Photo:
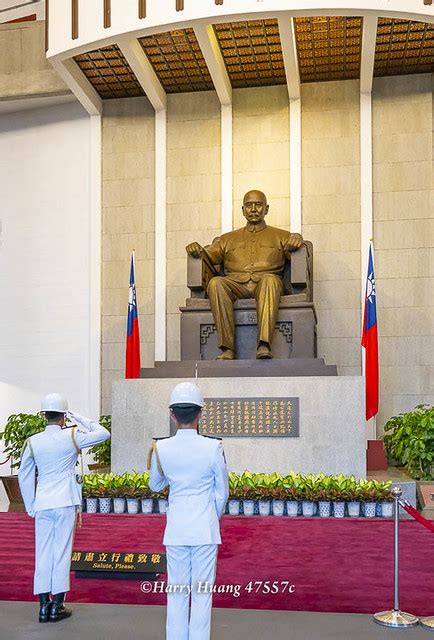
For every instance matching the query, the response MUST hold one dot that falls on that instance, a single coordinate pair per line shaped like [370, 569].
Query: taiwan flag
[132, 367]
[370, 342]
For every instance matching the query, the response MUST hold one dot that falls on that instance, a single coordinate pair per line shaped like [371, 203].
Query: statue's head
[255, 206]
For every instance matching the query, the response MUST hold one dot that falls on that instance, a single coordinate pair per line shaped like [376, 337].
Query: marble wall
[404, 240]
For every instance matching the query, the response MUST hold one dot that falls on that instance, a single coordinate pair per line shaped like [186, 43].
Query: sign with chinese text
[270, 417]
[131, 562]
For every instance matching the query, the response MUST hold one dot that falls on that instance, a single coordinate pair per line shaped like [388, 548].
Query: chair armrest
[199, 273]
[299, 267]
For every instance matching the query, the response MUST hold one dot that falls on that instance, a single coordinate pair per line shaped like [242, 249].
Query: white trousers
[54, 533]
[190, 566]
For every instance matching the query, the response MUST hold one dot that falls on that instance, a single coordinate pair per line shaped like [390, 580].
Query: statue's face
[255, 207]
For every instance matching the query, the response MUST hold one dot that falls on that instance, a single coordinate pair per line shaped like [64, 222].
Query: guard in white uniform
[194, 467]
[52, 455]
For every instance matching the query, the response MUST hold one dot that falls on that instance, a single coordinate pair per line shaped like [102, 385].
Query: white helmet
[186, 393]
[54, 402]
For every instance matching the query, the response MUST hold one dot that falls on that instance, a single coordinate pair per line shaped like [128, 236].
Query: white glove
[86, 423]
[31, 514]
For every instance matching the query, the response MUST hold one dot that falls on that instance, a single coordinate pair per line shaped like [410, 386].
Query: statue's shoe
[227, 354]
[263, 352]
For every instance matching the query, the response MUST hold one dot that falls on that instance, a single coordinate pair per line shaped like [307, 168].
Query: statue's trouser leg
[222, 293]
[267, 294]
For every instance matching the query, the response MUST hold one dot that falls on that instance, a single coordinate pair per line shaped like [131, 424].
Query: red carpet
[335, 565]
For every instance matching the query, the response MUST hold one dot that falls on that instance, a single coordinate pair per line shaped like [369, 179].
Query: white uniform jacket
[194, 467]
[54, 454]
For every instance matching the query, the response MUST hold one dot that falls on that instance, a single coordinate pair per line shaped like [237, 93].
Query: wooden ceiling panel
[252, 52]
[329, 48]
[403, 47]
[109, 73]
[178, 61]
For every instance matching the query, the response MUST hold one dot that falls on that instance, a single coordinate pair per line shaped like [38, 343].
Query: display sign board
[251, 417]
[118, 562]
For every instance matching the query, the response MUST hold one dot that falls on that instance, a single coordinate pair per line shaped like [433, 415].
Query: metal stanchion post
[395, 617]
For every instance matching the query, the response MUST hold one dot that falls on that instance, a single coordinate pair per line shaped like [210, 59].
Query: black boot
[44, 607]
[58, 609]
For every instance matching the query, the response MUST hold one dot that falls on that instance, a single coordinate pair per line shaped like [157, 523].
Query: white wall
[46, 227]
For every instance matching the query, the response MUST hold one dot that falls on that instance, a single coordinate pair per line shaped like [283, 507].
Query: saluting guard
[51, 456]
[194, 467]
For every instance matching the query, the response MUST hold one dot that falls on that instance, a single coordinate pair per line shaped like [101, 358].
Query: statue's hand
[294, 242]
[194, 250]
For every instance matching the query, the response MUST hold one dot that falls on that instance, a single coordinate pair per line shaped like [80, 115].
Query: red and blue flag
[370, 341]
[132, 367]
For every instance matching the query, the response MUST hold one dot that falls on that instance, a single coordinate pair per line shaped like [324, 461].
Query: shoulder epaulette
[212, 437]
[162, 438]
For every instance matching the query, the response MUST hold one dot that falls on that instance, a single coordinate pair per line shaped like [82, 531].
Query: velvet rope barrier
[417, 516]
[4, 461]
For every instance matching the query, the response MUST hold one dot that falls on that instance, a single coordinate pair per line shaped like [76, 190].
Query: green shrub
[18, 428]
[409, 440]
[102, 451]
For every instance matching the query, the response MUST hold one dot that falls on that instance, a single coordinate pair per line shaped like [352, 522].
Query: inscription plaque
[251, 417]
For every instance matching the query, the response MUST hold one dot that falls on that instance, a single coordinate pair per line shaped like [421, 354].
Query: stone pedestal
[332, 426]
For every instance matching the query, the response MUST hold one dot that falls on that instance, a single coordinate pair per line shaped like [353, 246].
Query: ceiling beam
[210, 47]
[80, 86]
[289, 50]
[369, 39]
[143, 70]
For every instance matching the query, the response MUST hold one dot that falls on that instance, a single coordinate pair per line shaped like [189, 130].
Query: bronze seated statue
[251, 291]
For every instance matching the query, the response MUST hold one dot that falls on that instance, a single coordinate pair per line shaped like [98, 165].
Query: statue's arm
[293, 242]
[214, 251]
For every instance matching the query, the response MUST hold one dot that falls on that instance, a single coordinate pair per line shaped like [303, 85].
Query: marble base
[332, 425]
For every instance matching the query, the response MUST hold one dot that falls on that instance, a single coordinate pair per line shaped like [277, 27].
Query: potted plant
[133, 491]
[409, 439]
[105, 492]
[102, 451]
[235, 487]
[277, 493]
[18, 428]
[308, 495]
[262, 483]
[248, 493]
[368, 497]
[291, 484]
[90, 491]
[147, 501]
[386, 499]
[162, 497]
[323, 494]
[340, 494]
[118, 492]
[353, 503]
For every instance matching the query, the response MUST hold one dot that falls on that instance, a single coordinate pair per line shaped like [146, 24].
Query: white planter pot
[163, 505]
[370, 508]
[354, 509]
[308, 507]
[339, 509]
[147, 505]
[234, 507]
[264, 507]
[387, 509]
[105, 505]
[249, 507]
[292, 508]
[278, 507]
[91, 505]
[119, 505]
[324, 508]
[133, 505]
